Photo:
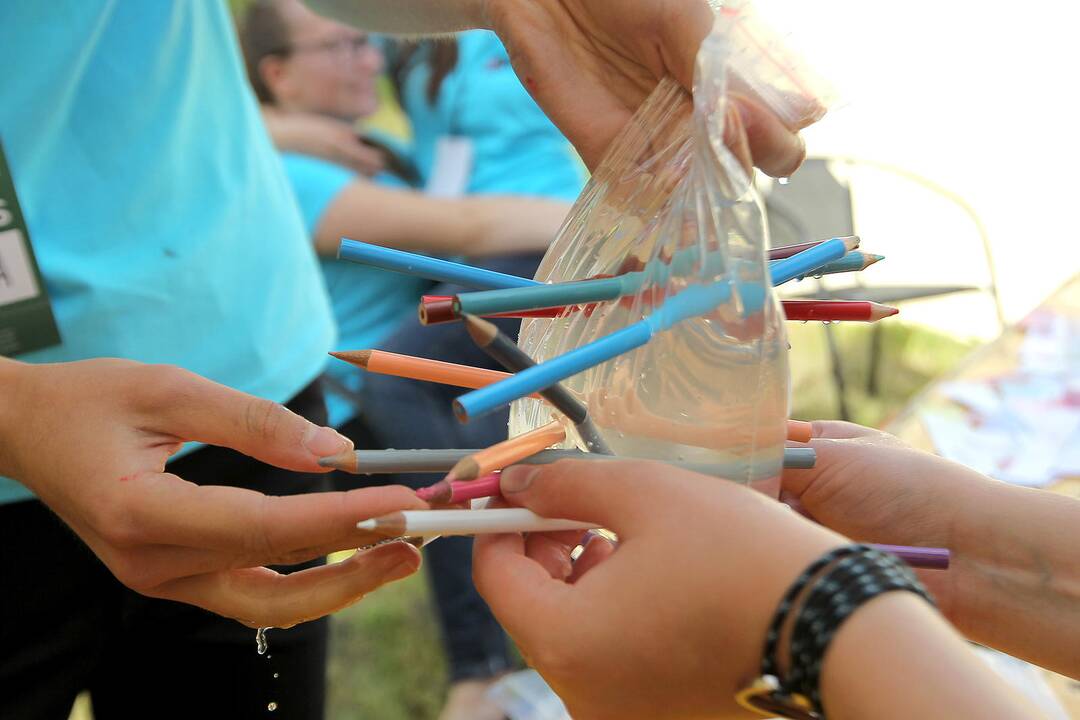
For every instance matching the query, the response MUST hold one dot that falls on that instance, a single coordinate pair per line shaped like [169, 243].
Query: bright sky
[979, 97]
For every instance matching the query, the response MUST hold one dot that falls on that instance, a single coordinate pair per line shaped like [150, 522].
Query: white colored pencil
[467, 522]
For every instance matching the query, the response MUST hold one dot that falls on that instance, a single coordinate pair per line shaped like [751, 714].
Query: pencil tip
[851, 242]
[871, 258]
[369, 525]
[438, 494]
[465, 469]
[343, 461]
[878, 311]
[360, 358]
[481, 331]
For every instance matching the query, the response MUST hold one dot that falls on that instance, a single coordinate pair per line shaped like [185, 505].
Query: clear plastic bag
[671, 202]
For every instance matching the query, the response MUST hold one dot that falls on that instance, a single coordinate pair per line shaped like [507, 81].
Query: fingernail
[323, 441]
[517, 478]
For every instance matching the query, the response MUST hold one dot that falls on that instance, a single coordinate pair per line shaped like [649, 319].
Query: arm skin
[1014, 581]
[671, 623]
[409, 220]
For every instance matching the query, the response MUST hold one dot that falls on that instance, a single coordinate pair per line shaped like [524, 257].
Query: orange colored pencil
[507, 452]
[417, 368]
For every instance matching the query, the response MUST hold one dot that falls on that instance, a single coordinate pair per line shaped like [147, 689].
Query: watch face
[764, 696]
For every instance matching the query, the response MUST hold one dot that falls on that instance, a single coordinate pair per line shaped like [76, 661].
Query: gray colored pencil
[381, 462]
[502, 350]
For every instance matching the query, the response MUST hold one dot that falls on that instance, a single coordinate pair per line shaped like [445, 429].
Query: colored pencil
[446, 492]
[503, 350]
[852, 262]
[837, 310]
[690, 302]
[439, 309]
[799, 431]
[507, 520]
[507, 452]
[382, 462]
[427, 267]
[576, 292]
[467, 522]
[786, 251]
[929, 558]
[417, 368]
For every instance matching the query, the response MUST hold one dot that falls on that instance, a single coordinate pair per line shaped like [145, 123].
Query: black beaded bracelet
[851, 583]
[844, 579]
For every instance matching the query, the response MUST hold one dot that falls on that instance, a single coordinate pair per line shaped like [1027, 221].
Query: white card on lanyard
[452, 167]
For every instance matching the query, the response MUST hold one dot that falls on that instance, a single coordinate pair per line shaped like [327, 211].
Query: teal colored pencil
[691, 302]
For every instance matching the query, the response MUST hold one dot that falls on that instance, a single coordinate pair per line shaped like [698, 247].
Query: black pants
[409, 414]
[67, 625]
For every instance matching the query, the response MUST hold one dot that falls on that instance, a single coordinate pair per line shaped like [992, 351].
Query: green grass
[386, 655]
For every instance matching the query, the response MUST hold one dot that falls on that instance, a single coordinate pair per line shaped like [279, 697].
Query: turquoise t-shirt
[516, 149]
[369, 304]
[159, 212]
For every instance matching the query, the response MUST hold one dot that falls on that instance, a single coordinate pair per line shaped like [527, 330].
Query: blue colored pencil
[577, 292]
[691, 302]
[428, 267]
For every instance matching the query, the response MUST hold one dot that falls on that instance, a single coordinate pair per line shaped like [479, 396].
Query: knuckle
[263, 418]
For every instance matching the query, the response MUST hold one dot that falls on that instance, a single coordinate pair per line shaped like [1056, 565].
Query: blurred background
[951, 150]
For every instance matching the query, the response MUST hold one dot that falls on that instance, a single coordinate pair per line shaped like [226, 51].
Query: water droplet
[783, 180]
[272, 706]
[275, 676]
[260, 640]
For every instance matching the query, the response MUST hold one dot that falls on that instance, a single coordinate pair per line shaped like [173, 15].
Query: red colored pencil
[851, 310]
[439, 308]
[445, 492]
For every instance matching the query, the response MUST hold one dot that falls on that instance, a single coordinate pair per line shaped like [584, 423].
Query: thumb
[622, 496]
[193, 408]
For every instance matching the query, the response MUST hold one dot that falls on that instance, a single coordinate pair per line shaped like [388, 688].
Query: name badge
[26, 318]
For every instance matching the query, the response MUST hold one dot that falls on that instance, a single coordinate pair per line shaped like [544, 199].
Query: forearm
[1016, 574]
[896, 658]
[406, 17]
[512, 224]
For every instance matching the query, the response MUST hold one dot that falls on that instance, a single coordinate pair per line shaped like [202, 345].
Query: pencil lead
[359, 358]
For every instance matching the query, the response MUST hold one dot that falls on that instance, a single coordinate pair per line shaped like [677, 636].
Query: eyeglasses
[341, 47]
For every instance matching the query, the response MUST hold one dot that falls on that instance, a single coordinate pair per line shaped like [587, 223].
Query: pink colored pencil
[446, 492]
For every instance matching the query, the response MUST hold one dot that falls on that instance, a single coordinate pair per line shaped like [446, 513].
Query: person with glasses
[304, 67]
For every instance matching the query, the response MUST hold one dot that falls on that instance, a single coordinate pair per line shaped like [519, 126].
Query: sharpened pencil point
[870, 258]
[851, 242]
[345, 461]
[438, 494]
[878, 311]
[368, 525]
[481, 331]
[359, 358]
[465, 469]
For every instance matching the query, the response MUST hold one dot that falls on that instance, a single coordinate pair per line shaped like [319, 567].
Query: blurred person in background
[514, 189]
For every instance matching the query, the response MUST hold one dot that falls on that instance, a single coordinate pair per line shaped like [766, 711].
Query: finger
[552, 551]
[777, 150]
[520, 592]
[619, 495]
[190, 407]
[597, 550]
[839, 429]
[735, 139]
[681, 34]
[164, 509]
[260, 597]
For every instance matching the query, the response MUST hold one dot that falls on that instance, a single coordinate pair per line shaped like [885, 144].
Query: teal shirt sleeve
[315, 183]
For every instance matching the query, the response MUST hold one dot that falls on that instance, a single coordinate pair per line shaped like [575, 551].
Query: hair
[263, 32]
[443, 58]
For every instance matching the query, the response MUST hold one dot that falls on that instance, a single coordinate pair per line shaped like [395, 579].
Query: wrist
[12, 377]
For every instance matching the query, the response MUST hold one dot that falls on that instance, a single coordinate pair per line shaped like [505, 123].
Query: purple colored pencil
[928, 558]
